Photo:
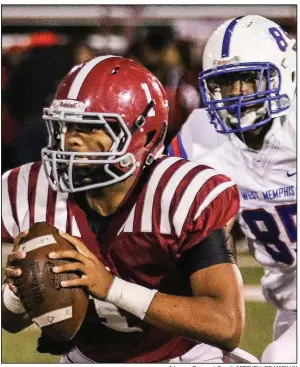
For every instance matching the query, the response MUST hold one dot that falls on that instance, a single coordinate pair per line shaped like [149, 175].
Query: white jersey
[267, 184]
[196, 137]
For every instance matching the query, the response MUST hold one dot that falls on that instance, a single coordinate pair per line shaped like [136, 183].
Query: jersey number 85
[269, 235]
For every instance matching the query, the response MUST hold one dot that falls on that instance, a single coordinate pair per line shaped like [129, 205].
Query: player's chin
[85, 173]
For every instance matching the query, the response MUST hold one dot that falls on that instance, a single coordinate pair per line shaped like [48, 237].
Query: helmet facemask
[70, 171]
[233, 114]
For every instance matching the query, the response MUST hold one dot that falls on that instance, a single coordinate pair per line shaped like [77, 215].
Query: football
[58, 311]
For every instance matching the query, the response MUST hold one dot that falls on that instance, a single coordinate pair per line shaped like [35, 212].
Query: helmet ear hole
[115, 71]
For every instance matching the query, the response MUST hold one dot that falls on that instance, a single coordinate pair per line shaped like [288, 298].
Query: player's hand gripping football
[95, 276]
[12, 272]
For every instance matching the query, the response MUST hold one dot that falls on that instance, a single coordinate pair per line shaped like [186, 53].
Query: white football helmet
[249, 45]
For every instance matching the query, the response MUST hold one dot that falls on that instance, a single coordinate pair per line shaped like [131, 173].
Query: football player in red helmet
[127, 95]
[149, 229]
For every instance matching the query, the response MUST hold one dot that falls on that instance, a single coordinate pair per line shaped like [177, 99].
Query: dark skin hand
[10, 321]
[88, 265]
[12, 271]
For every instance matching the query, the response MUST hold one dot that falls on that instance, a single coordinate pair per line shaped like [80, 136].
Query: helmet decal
[227, 37]
[80, 77]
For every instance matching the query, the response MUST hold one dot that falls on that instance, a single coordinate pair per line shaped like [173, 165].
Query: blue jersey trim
[181, 147]
[171, 152]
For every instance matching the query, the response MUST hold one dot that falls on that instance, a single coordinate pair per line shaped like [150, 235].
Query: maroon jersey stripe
[69, 218]
[5, 236]
[51, 202]
[157, 207]
[156, 183]
[181, 189]
[218, 213]
[32, 185]
[12, 191]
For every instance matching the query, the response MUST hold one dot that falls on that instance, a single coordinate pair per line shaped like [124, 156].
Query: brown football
[58, 311]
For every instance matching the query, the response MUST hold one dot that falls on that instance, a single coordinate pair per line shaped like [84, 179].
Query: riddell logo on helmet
[226, 62]
[65, 104]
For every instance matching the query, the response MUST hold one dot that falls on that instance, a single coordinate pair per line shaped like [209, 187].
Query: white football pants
[284, 347]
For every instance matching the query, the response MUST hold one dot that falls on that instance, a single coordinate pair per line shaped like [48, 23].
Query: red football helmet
[119, 96]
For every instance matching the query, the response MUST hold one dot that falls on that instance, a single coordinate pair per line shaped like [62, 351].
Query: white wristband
[130, 297]
[12, 302]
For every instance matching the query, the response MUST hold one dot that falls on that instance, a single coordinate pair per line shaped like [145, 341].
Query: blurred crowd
[32, 72]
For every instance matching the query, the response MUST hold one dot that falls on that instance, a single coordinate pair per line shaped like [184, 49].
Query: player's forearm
[213, 315]
[206, 319]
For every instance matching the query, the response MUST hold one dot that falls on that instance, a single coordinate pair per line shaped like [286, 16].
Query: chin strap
[141, 119]
[139, 122]
[249, 118]
[151, 156]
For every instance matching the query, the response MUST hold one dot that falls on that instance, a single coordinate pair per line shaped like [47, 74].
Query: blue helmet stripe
[227, 37]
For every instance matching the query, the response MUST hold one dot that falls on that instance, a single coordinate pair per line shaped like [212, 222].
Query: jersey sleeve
[19, 187]
[27, 199]
[214, 204]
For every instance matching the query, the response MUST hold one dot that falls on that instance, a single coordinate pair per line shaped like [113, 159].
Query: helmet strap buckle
[149, 159]
[140, 121]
